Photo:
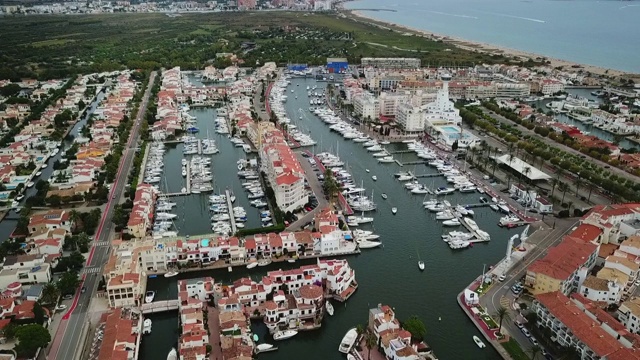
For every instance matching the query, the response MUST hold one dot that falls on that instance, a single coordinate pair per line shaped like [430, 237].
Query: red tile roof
[586, 232]
[561, 261]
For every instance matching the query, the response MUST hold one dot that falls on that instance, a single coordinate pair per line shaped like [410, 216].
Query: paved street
[66, 342]
[317, 191]
[500, 294]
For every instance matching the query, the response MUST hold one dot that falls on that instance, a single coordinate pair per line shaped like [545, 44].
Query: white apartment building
[126, 290]
[366, 105]
[629, 314]
[550, 86]
[410, 118]
[512, 90]
[601, 290]
[626, 266]
[199, 288]
[284, 172]
[391, 63]
[389, 102]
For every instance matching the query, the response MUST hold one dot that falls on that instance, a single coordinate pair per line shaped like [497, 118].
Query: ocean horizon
[599, 33]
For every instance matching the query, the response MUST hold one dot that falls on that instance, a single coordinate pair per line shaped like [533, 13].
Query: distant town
[105, 7]
[115, 181]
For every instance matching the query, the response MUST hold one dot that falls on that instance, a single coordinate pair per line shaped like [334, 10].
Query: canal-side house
[394, 341]
[198, 288]
[141, 217]
[125, 279]
[194, 335]
[121, 340]
[25, 269]
[50, 220]
[301, 308]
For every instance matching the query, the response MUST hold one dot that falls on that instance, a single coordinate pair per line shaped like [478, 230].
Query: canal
[9, 224]
[387, 275]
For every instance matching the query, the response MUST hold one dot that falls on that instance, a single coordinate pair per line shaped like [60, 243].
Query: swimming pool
[450, 129]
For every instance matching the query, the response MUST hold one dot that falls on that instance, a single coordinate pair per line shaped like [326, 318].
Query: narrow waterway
[387, 275]
[10, 222]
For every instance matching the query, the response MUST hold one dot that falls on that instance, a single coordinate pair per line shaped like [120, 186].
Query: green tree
[30, 338]
[416, 327]
[501, 314]
[38, 313]
[330, 185]
[50, 294]
[534, 351]
[68, 283]
[370, 342]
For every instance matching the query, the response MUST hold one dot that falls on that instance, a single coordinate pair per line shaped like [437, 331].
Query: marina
[377, 268]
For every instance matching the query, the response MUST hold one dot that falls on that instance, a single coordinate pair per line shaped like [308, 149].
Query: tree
[30, 338]
[38, 313]
[75, 261]
[50, 294]
[330, 185]
[534, 351]
[416, 327]
[74, 216]
[501, 314]
[68, 283]
[370, 342]
[563, 187]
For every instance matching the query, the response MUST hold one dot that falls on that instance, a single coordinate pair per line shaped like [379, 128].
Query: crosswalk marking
[91, 270]
[102, 243]
[505, 302]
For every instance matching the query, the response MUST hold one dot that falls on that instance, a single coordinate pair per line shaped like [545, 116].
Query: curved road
[66, 342]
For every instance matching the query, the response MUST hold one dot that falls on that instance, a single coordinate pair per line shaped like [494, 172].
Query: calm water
[387, 275]
[586, 31]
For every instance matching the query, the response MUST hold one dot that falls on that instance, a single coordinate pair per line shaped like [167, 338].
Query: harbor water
[387, 275]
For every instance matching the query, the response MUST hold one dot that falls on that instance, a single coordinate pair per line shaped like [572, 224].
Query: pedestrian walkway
[102, 243]
[91, 270]
[213, 320]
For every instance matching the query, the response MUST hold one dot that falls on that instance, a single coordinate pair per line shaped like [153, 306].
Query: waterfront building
[389, 102]
[337, 65]
[579, 324]
[616, 222]
[512, 90]
[366, 105]
[601, 290]
[531, 198]
[126, 289]
[141, 217]
[199, 288]
[283, 171]
[121, 339]
[394, 341]
[410, 118]
[563, 268]
[194, 335]
[302, 307]
[547, 86]
[391, 63]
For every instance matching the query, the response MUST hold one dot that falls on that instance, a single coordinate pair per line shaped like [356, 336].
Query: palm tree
[50, 294]
[501, 314]
[563, 187]
[569, 203]
[578, 182]
[554, 183]
[534, 351]
[591, 186]
[370, 342]
[360, 329]
[526, 171]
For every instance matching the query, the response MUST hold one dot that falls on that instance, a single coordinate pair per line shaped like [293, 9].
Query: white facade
[601, 290]
[410, 117]
[510, 90]
[629, 315]
[366, 106]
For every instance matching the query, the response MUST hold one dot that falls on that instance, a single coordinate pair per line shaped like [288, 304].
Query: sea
[601, 33]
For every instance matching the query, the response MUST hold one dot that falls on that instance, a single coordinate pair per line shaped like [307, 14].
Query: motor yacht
[149, 296]
[283, 335]
[348, 341]
[421, 265]
[452, 222]
[366, 244]
[171, 274]
[386, 159]
[394, 210]
[328, 307]
[146, 326]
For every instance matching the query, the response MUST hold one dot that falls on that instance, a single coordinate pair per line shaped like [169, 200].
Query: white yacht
[394, 210]
[149, 296]
[452, 222]
[328, 307]
[283, 335]
[421, 265]
[173, 354]
[386, 159]
[348, 341]
[146, 326]
[366, 244]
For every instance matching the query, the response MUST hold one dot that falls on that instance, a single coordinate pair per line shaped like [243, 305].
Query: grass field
[57, 46]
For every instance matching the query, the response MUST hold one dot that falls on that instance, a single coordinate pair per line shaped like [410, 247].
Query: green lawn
[513, 348]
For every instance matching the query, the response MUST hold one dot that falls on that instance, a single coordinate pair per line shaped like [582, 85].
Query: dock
[401, 152]
[188, 186]
[199, 146]
[426, 175]
[476, 238]
[232, 218]
[172, 141]
[419, 162]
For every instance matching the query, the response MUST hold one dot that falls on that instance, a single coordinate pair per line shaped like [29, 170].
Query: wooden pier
[199, 146]
[188, 192]
[401, 152]
[426, 175]
[419, 162]
[232, 218]
[172, 141]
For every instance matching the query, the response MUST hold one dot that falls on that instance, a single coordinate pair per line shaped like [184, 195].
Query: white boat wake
[518, 17]
[455, 15]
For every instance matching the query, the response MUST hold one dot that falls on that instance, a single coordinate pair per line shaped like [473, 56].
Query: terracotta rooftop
[563, 260]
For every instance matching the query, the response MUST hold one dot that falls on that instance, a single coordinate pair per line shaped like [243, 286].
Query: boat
[374, 178]
[451, 222]
[30, 184]
[384, 196]
[366, 244]
[479, 342]
[148, 297]
[291, 261]
[367, 170]
[284, 335]
[351, 357]
[44, 166]
[348, 340]
[171, 274]
[264, 262]
[494, 207]
[394, 210]
[421, 265]
[264, 347]
[328, 307]
[173, 354]
[146, 326]
[39, 173]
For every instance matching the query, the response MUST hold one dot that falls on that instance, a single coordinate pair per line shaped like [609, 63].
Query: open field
[56, 46]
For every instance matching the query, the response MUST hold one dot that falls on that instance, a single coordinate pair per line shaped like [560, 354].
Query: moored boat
[173, 354]
[348, 340]
[394, 210]
[252, 265]
[283, 335]
[479, 342]
[171, 274]
[264, 347]
[328, 307]
[149, 296]
[264, 262]
[421, 265]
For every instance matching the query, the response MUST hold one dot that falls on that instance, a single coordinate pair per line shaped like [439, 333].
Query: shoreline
[476, 46]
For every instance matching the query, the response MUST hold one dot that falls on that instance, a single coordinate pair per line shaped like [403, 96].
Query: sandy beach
[491, 49]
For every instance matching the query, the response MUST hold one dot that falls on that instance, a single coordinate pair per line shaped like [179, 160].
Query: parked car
[533, 341]
[502, 277]
[68, 297]
[84, 288]
[61, 307]
[519, 324]
[526, 332]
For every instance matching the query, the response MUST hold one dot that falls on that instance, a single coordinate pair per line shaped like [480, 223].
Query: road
[501, 295]
[316, 188]
[525, 131]
[66, 342]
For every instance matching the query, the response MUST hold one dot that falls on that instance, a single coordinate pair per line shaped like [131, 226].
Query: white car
[61, 307]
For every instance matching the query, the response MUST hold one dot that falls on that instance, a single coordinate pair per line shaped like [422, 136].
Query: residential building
[391, 63]
[126, 289]
[563, 268]
[366, 106]
[141, 217]
[121, 337]
[578, 324]
[410, 118]
[199, 288]
[629, 314]
[601, 290]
